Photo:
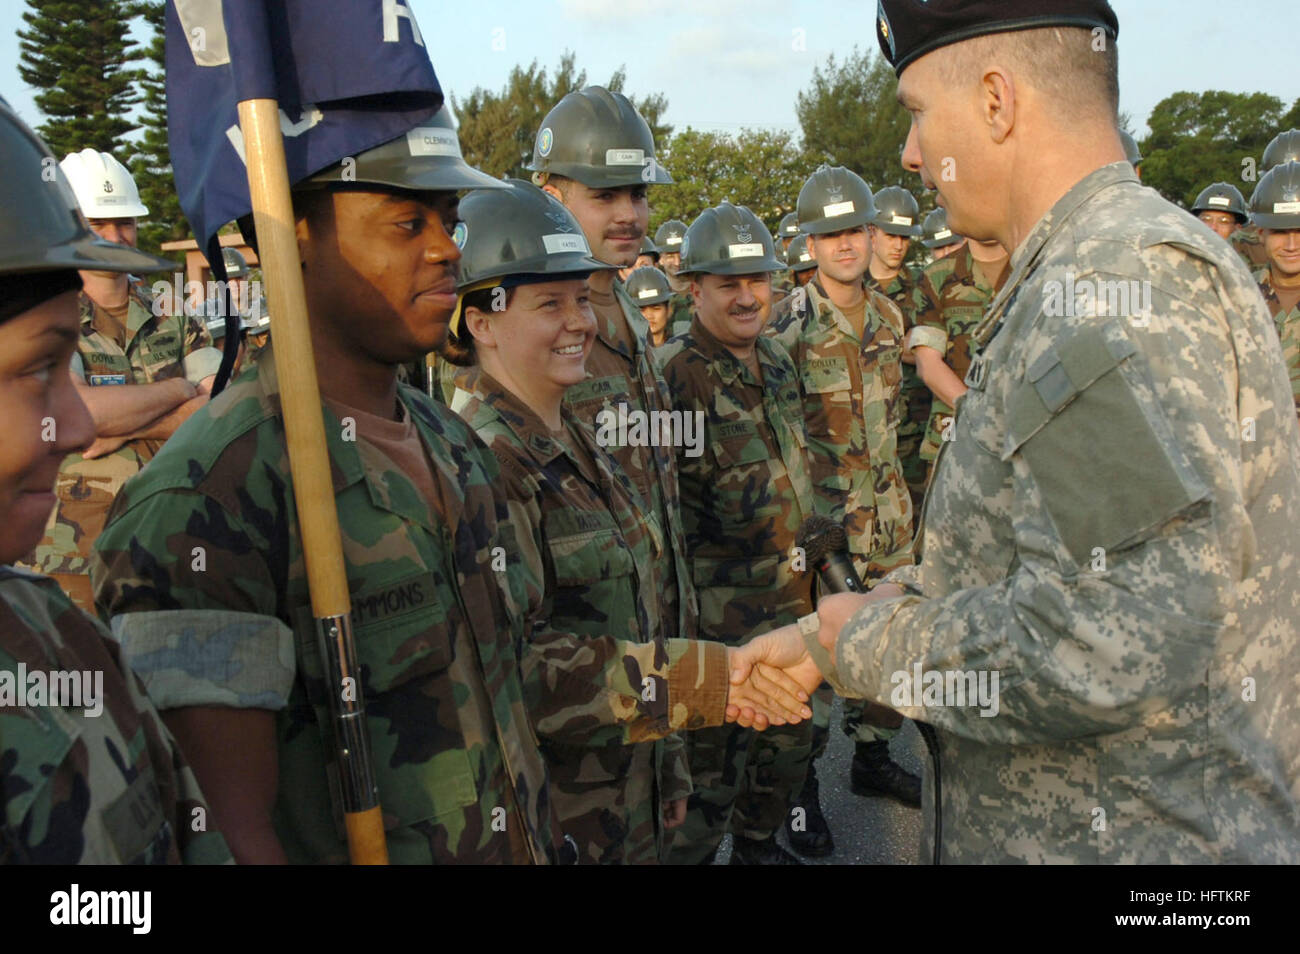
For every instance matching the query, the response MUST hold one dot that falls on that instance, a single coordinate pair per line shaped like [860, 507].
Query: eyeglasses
[1217, 218]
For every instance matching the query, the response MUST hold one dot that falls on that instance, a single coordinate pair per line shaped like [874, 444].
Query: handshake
[773, 676]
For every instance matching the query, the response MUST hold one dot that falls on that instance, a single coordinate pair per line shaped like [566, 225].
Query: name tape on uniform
[900, 220]
[1220, 200]
[559, 242]
[625, 157]
[837, 208]
[748, 250]
[432, 141]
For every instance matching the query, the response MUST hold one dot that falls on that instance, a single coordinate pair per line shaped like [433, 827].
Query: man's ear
[998, 103]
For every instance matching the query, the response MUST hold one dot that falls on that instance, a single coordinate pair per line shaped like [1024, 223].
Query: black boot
[814, 840]
[747, 851]
[874, 773]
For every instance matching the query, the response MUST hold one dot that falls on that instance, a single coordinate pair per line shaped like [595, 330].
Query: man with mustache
[596, 155]
[743, 499]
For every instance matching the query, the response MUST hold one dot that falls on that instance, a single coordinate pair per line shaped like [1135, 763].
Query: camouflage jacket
[746, 495]
[952, 296]
[201, 570]
[80, 786]
[1107, 535]
[852, 406]
[1246, 241]
[1288, 331]
[904, 290]
[158, 347]
[623, 372]
[601, 676]
[681, 311]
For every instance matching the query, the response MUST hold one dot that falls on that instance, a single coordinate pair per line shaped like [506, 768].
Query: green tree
[151, 164]
[850, 117]
[75, 54]
[760, 169]
[497, 128]
[1199, 138]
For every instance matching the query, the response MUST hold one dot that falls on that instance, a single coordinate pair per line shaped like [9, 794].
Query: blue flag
[348, 75]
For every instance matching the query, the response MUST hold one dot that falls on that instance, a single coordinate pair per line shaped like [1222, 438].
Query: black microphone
[826, 546]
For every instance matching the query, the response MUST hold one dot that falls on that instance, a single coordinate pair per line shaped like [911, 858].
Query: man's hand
[674, 813]
[763, 695]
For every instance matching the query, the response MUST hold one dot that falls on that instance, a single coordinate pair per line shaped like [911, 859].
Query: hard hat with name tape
[1221, 197]
[1275, 203]
[669, 236]
[728, 240]
[797, 256]
[103, 186]
[897, 212]
[789, 226]
[236, 264]
[1285, 147]
[648, 286]
[936, 231]
[597, 137]
[648, 247]
[834, 199]
[424, 159]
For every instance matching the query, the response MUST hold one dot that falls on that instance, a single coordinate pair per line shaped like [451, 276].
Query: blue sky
[725, 64]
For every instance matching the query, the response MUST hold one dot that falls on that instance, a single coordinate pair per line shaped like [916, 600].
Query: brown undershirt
[610, 313]
[857, 316]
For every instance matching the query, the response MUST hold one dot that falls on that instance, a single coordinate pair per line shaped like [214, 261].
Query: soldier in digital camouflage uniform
[743, 499]
[951, 298]
[1275, 212]
[202, 571]
[849, 360]
[595, 566]
[681, 307]
[596, 154]
[88, 777]
[1112, 530]
[1284, 147]
[161, 358]
[897, 222]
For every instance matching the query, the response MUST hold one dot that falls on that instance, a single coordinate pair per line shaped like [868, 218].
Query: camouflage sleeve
[193, 601]
[202, 358]
[675, 778]
[928, 330]
[1290, 336]
[574, 684]
[1081, 637]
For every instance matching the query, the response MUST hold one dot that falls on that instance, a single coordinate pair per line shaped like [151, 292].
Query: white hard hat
[104, 188]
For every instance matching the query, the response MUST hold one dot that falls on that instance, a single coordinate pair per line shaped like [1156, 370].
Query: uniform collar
[500, 403]
[725, 364]
[139, 311]
[818, 299]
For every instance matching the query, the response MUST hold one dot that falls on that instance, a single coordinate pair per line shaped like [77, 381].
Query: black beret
[908, 29]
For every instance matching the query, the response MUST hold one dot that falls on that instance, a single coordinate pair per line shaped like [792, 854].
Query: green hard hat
[897, 212]
[1131, 151]
[41, 227]
[936, 231]
[789, 226]
[425, 159]
[669, 236]
[728, 240]
[797, 256]
[832, 200]
[1285, 147]
[648, 286]
[236, 264]
[1221, 197]
[1275, 203]
[519, 230]
[648, 247]
[599, 139]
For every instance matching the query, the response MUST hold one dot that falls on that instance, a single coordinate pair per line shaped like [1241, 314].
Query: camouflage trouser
[752, 773]
[869, 722]
[916, 399]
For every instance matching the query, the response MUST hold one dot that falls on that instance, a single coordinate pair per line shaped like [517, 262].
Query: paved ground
[876, 831]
